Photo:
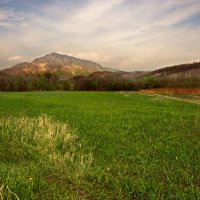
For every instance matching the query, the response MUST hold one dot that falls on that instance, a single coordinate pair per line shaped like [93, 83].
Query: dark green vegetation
[43, 82]
[129, 146]
[100, 81]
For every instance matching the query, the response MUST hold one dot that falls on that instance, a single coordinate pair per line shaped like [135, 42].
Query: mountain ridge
[56, 63]
[67, 66]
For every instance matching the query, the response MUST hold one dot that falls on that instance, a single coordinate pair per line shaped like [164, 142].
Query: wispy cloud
[95, 9]
[15, 58]
[124, 34]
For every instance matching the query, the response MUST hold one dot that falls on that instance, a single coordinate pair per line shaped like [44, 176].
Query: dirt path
[195, 101]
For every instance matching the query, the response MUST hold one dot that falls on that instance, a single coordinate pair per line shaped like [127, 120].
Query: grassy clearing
[136, 147]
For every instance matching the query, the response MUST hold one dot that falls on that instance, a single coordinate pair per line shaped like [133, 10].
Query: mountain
[66, 66]
[63, 65]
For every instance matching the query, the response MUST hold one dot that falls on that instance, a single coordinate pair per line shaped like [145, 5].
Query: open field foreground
[98, 145]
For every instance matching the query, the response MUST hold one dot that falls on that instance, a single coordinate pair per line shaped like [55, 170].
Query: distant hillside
[63, 65]
[186, 75]
[190, 70]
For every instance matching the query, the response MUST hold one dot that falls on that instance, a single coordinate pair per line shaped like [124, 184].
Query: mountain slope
[189, 70]
[55, 63]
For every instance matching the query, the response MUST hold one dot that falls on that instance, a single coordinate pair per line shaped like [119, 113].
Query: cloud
[15, 58]
[95, 9]
[93, 56]
[124, 34]
[180, 13]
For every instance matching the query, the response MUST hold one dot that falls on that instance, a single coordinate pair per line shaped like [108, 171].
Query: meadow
[98, 145]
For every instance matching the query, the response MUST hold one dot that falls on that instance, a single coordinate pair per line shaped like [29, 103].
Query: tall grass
[36, 152]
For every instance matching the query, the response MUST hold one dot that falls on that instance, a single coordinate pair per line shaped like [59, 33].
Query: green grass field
[98, 145]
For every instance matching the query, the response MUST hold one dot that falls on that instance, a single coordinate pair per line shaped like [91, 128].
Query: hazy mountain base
[180, 76]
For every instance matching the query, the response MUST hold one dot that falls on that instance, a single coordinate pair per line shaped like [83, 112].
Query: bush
[149, 82]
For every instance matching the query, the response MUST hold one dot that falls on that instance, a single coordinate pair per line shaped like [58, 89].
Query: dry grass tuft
[43, 137]
[49, 146]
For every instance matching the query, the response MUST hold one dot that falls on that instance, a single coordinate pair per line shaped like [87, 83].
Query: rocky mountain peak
[56, 63]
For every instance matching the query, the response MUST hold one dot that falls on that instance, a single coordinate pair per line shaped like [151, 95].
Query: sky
[123, 34]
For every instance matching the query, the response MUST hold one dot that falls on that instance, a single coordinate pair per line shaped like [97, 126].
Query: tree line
[50, 82]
